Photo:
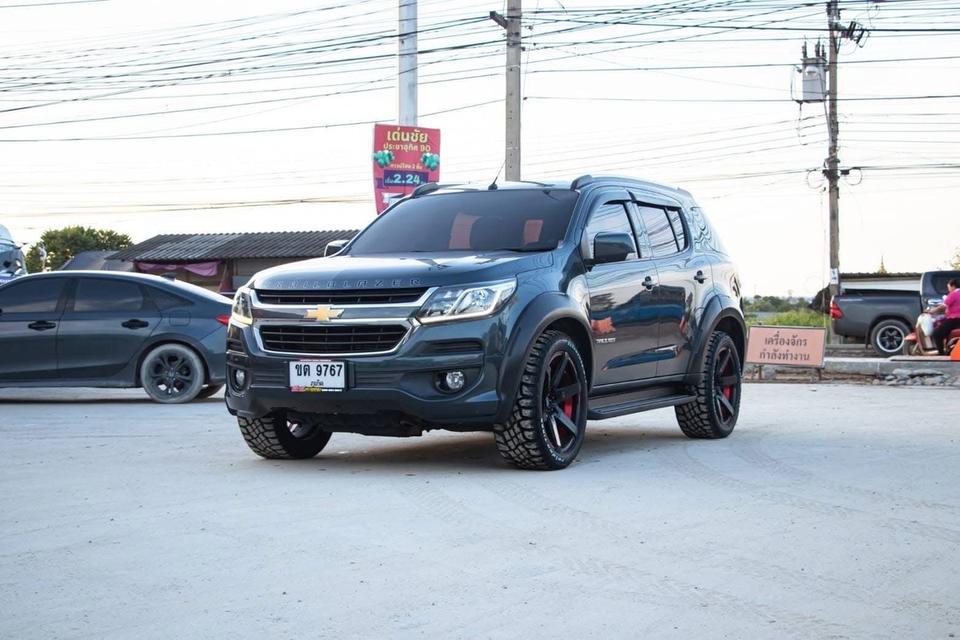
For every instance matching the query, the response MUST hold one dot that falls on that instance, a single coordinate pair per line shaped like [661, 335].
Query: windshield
[504, 220]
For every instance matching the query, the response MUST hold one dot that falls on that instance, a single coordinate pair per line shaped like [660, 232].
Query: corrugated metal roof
[95, 261]
[223, 246]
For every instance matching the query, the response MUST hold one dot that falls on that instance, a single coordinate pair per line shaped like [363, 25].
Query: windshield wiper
[532, 249]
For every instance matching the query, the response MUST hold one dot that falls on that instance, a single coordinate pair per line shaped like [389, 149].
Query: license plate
[311, 376]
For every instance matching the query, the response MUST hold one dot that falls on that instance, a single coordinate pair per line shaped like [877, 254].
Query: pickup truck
[885, 318]
[520, 309]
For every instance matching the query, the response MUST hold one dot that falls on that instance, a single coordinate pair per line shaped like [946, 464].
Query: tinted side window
[678, 230]
[610, 218]
[107, 295]
[36, 296]
[166, 300]
[658, 230]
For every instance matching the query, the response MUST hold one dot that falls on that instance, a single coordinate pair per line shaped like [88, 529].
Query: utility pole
[407, 76]
[833, 161]
[512, 97]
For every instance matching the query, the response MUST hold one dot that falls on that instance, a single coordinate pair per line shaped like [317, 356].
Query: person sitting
[950, 306]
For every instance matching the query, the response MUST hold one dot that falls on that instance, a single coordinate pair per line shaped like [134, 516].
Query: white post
[407, 78]
[513, 96]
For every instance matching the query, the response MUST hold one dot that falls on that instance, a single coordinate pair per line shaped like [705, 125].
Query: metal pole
[407, 77]
[513, 95]
[833, 162]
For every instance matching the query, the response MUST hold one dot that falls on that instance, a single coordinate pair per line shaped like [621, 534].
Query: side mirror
[612, 247]
[334, 247]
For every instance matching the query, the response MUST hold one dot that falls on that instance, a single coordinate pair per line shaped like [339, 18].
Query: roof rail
[581, 181]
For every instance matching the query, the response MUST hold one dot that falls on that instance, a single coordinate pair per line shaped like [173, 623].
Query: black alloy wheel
[172, 374]
[561, 402]
[726, 385]
[300, 428]
[889, 336]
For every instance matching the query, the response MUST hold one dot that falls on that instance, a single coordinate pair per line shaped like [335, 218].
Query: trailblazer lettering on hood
[394, 283]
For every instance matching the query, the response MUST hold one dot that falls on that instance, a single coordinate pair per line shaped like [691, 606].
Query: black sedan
[104, 329]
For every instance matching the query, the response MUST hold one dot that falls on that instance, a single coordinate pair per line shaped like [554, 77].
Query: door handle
[648, 283]
[700, 277]
[42, 325]
[135, 324]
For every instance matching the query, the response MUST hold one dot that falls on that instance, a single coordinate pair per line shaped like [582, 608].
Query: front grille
[334, 338]
[340, 296]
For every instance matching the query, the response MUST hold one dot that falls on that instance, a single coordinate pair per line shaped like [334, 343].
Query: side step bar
[603, 412]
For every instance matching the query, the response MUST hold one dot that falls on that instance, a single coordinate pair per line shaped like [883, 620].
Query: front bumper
[387, 394]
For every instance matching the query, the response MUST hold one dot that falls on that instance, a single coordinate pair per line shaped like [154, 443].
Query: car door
[103, 327]
[623, 315]
[684, 277]
[30, 311]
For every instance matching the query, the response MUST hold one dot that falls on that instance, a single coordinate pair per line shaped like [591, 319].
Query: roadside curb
[891, 371]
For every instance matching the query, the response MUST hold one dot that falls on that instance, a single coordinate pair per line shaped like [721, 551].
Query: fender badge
[323, 313]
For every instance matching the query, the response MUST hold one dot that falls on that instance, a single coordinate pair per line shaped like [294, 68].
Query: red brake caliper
[568, 407]
[727, 390]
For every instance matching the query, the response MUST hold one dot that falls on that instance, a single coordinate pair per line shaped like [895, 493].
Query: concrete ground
[832, 512]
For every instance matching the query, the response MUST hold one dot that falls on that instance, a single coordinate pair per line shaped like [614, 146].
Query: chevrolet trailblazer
[523, 309]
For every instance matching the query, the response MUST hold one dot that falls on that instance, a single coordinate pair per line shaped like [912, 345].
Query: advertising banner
[403, 159]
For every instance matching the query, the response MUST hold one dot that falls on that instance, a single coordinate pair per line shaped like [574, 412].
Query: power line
[245, 131]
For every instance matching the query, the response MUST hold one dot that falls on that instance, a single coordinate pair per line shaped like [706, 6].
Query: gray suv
[523, 309]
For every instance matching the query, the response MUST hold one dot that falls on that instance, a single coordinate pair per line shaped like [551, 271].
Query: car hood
[399, 271]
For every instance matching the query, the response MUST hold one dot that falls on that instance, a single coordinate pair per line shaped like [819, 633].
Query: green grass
[798, 318]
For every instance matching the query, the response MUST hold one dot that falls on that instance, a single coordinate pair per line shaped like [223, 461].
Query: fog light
[239, 378]
[452, 381]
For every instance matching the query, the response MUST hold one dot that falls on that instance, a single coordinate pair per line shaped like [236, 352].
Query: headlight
[461, 303]
[242, 311]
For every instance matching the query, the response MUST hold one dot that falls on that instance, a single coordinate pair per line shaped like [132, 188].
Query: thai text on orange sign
[786, 346]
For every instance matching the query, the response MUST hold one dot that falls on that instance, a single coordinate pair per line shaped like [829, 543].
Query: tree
[63, 244]
[955, 260]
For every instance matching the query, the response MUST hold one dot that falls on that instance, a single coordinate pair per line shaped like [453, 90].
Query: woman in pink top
[951, 305]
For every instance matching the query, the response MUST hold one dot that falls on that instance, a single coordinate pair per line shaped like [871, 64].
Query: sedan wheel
[172, 374]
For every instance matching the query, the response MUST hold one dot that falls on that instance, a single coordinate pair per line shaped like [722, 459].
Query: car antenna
[493, 185]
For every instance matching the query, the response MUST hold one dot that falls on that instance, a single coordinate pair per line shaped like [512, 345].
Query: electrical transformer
[813, 74]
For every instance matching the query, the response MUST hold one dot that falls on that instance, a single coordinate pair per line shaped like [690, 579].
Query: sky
[218, 116]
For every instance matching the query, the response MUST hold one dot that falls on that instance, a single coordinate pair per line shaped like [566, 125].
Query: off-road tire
[523, 440]
[884, 335]
[209, 390]
[703, 418]
[270, 437]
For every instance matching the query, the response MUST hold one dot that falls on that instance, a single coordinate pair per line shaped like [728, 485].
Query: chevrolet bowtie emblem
[322, 314]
